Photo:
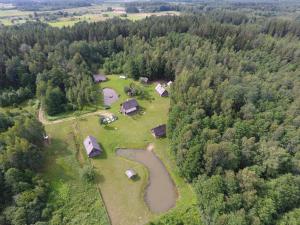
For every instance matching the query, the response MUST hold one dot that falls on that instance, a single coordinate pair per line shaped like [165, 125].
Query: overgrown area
[23, 192]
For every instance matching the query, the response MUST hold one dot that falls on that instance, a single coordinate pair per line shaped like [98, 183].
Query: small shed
[159, 131]
[99, 78]
[129, 106]
[130, 173]
[161, 91]
[169, 83]
[144, 80]
[91, 146]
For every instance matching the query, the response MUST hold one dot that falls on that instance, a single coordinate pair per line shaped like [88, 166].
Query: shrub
[88, 173]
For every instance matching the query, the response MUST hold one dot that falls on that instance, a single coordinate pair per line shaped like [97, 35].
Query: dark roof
[91, 143]
[99, 77]
[129, 104]
[160, 130]
[161, 90]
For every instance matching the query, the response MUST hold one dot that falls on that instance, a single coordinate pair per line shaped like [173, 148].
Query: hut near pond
[130, 173]
[161, 91]
[159, 131]
[130, 106]
[99, 78]
[91, 146]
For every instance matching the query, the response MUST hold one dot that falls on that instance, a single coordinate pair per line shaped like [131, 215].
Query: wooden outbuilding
[159, 131]
[99, 78]
[92, 147]
[161, 91]
[130, 106]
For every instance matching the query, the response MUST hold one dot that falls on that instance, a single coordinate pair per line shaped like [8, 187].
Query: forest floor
[123, 198]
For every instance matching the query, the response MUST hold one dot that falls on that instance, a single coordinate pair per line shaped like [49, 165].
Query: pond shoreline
[160, 193]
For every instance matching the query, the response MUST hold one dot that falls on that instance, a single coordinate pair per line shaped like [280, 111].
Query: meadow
[123, 198]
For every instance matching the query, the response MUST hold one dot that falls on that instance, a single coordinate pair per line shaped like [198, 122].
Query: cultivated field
[124, 199]
[94, 13]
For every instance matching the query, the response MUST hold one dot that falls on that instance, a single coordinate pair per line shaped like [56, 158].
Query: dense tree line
[233, 128]
[23, 193]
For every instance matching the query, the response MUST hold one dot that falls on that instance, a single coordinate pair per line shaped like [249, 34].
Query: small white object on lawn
[130, 173]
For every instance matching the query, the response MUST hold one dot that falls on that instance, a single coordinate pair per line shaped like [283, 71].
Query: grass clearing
[75, 201]
[123, 198]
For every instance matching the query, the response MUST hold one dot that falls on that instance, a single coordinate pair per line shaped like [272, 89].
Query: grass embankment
[123, 198]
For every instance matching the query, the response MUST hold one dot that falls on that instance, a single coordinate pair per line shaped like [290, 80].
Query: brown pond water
[160, 194]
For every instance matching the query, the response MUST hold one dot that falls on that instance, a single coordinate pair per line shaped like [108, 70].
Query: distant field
[94, 13]
[106, 15]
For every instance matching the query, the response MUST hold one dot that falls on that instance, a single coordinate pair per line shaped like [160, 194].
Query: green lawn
[74, 200]
[123, 198]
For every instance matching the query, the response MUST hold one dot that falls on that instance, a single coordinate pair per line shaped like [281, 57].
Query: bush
[88, 173]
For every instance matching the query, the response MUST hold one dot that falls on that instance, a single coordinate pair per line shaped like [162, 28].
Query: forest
[234, 118]
[23, 193]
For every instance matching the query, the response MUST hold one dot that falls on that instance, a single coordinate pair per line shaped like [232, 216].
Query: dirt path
[43, 120]
[160, 193]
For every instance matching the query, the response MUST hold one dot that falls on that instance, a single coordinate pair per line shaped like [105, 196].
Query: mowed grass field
[124, 199]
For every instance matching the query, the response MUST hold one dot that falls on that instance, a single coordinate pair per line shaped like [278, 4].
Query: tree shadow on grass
[99, 178]
[136, 178]
[141, 112]
[103, 154]
[145, 95]
[82, 119]
[107, 127]
[58, 147]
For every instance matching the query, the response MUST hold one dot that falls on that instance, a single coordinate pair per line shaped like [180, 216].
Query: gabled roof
[91, 143]
[160, 89]
[129, 104]
[99, 77]
[160, 130]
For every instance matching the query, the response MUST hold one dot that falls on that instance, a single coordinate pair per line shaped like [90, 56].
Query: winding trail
[43, 120]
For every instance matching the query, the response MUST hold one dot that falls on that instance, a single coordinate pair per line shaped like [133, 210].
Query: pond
[110, 96]
[160, 194]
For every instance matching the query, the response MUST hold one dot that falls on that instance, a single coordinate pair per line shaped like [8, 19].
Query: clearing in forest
[123, 198]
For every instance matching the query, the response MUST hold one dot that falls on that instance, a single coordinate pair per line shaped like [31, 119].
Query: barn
[130, 106]
[91, 146]
[159, 131]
